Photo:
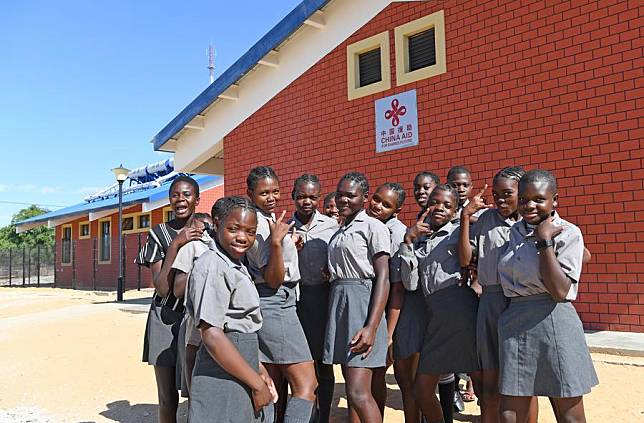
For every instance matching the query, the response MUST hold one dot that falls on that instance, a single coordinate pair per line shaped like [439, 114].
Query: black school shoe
[459, 405]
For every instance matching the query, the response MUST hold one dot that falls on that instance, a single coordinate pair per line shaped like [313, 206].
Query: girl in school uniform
[485, 241]
[315, 231]
[329, 207]
[449, 341]
[406, 357]
[424, 183]
[384, 205]
[166, 311]
[356, 333]
[273, 262]
[182, 266]
[227, 385]
[461, 179]
[539, 271]
[189, 339]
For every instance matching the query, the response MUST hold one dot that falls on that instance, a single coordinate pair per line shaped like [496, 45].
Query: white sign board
[396, 121]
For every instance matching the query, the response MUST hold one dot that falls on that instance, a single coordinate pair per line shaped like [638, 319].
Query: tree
[42, 235]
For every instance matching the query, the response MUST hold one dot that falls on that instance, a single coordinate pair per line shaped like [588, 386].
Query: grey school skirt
[450, 339]
[543, 350]
[281, 338]
[313, 309]
[412, 322]
[216, 396]
[182, 384]
[161, 335]
[193, 338]
[491, 304]
[349, 303]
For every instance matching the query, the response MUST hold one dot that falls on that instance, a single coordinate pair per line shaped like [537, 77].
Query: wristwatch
[544, 244]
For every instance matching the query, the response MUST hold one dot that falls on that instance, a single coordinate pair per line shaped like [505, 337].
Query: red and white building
[87, 236]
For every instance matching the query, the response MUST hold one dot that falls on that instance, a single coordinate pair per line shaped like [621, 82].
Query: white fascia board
[28, 226]
[148, 206]
[296, 56]
[52, 223]
[101, 214]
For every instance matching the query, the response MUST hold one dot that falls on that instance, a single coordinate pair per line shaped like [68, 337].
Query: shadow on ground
[466, 418]
[124, 412]
[131, 301]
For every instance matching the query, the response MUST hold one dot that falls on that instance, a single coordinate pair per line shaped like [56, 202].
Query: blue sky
[84, 85]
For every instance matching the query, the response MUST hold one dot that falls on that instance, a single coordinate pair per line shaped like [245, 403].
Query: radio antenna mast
[211, 62]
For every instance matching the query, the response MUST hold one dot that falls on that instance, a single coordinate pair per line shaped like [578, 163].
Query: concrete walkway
[619, 343]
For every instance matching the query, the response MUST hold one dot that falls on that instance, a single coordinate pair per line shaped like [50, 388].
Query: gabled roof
[296, 18]
[151, 199]
[307, 34]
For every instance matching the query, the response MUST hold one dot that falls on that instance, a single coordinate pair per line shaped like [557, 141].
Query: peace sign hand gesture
[476, 203]
[297, 239]
[279, 229]
[419, 229]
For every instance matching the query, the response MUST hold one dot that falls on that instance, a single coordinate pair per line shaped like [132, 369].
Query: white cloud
[31, 188]
[25, 188]
[49, 190]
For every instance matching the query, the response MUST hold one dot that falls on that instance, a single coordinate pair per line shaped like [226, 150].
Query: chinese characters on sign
[396, 121]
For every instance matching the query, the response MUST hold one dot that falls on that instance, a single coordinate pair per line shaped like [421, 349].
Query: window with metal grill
[84, 229]
[422, 50]
[105, 241]
[67, 245]
[369, 67]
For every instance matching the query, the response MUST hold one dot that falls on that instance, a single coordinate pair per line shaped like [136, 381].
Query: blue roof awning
[150, 195]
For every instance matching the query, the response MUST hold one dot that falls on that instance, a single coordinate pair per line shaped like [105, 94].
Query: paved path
[620, 343]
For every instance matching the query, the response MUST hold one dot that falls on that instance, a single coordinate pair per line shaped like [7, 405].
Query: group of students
[252, 309]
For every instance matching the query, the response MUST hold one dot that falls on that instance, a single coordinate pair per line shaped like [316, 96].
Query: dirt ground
[73, 356]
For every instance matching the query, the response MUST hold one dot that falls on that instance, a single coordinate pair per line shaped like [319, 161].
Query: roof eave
[245, 63]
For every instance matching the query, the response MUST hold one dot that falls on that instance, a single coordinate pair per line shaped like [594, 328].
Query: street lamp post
[121, 175]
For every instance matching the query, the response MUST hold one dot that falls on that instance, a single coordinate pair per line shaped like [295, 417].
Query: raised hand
[547, 229]
[189, 233]
[298, 239]
[419, 229]
[476, 203]
[279, 229]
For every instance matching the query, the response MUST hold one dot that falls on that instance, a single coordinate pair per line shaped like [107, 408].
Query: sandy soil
[73, 356]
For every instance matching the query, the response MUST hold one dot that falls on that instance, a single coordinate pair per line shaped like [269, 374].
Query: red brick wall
[81, 274]
[208, 198]
[556, 85]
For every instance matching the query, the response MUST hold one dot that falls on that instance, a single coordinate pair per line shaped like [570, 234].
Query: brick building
[87, 240]
[548, 84]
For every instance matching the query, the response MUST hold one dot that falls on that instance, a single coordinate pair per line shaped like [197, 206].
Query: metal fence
[28, 266]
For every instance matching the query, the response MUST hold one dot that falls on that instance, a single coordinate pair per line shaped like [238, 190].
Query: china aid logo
[396, 111]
